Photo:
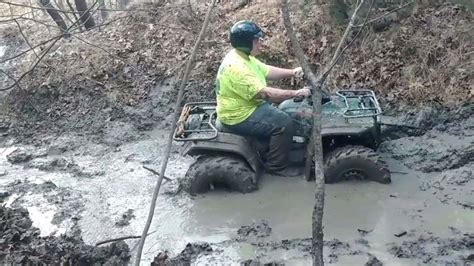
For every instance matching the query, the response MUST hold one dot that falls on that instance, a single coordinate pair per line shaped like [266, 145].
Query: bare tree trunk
[76, 18]
[103, 12]
[85, 15]
[11, 10]
[190, 9]
[123, 3]
[32, 10]
[61, 6]
[316, 84]
[54, 14]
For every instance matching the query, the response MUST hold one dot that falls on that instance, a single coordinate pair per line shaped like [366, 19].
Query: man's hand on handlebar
[304, 92]
[301, 94]
[298, 72]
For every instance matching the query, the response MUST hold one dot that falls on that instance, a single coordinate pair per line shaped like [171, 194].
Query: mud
[188, 255]
[365, 222]
[21, 244]
[258, 230]
[435, 250]
[125, 218]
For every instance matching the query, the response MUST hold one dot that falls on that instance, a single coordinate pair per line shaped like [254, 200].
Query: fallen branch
[120, 238]
[155, 172]
[177, 107]
[115, 240]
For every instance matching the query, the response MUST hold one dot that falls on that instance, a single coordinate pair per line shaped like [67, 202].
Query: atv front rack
[203, 127]
[360, 103]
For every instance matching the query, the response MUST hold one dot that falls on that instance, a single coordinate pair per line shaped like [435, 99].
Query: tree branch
[73, 12]
[26, 51]
[13, 17]
[338, 54]
[54, 40]
[11, 77]
[316, 148]
[24, 37]
[166, 155]
[51, 39]
[384, 15]
[34, 65]
[32, 7]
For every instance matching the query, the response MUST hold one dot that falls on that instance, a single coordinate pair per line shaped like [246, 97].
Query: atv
[350, 131]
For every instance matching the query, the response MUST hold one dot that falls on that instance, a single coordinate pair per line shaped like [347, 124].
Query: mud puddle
[105, 192]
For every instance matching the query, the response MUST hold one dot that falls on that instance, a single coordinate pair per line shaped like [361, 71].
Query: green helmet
[242, 35]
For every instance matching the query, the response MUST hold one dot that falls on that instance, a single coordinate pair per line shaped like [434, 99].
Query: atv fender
[226, 143]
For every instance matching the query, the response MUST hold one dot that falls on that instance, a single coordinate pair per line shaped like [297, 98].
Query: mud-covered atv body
[350, 132]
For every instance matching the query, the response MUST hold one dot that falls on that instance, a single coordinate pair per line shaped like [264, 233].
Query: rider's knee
[285, 123]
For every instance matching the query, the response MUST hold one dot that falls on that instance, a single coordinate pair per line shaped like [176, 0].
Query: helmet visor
[259, 35]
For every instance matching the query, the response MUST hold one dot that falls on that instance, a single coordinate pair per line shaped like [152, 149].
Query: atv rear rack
[366, 104]
[207, 112]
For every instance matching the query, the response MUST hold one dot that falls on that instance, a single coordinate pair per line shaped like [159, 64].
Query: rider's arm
[276, 73]
[275, 95]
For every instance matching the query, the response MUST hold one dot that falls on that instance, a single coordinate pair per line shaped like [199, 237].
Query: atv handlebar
[300, 98]
[325, 97]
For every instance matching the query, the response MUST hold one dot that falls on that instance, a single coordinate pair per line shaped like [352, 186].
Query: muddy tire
[230, 172]
[355, 162]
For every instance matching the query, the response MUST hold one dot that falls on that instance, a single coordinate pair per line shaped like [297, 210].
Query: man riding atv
[244, 99]
[241, 134]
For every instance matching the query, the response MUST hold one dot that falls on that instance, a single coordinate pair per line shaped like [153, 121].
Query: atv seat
[221, 127]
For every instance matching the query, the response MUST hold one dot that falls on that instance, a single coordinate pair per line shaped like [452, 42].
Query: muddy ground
[70, 190]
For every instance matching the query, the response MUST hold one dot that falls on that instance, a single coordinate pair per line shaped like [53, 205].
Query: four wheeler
[350, 132]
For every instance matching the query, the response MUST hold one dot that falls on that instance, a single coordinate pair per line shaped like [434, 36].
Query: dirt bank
[129, 73]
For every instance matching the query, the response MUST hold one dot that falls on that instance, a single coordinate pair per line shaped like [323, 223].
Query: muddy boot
[278, 150]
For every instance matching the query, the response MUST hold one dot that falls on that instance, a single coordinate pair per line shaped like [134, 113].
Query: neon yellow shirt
[239, 79]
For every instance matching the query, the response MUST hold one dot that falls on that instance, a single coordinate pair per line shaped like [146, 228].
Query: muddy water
[364, 217]
[287, 204]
